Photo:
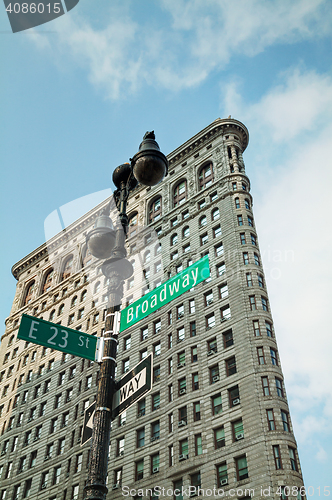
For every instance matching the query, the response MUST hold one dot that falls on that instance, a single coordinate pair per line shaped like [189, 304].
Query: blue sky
[79, 93]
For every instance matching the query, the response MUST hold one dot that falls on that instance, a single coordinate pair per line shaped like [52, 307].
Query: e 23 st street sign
[57, 337]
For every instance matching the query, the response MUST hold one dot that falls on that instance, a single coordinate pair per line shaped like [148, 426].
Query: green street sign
[163, 294]
[57, 337]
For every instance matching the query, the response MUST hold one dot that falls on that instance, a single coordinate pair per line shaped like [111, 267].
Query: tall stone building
[217, 415]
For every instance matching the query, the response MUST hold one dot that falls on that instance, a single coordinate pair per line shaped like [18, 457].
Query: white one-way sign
[133, 386]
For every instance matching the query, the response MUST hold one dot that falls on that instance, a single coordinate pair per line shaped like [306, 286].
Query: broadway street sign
[133, 386]
[58, 337]
[185, 280]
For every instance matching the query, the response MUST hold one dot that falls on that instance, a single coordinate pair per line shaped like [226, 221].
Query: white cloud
[180, 45]
[296, 105]
[321, 455]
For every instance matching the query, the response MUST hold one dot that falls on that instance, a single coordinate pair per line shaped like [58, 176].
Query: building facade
[217, 417]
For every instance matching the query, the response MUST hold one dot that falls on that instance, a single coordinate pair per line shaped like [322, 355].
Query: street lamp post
[148, 167]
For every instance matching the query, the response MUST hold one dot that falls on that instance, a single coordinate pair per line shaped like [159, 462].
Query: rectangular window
[182, 386]
[156, 401]
[120, 443]
[183, 448]
[243, 238]
[274, 357]
[260, 354]
[197, 411]
[156, 374]
[234, 396]
[249, 279]
[285, 421]
[250, 221]
[264, 304]
[216, 404]
[239, 220]
[253, 239]
[139, 470]
[208, 298]
[155, 463]
[268, 327]
[192, 329]
[191, 306]
[210, 321]
[144, 333]
[277, 457]
[118, 477]
[180, 311]
[241, 468]
[270, 420]
[257, 331]
[292, 457]
[157, 349]
[204, 238]
[222, 474]
[141, 408]
[260, 280]
[280, 390]
[266, 387]
[214, 374]
[219, 250]
[245, 258]
[223, 291]
[140, 438]
[198, 444]
[252, 301]
[155, 430]
[219, 438]
[157, 326]
[181, 334]
[237, 430]
[230, 366]
[216, 231]
[221, 269]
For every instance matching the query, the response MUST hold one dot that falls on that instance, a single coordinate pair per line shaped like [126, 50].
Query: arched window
[185, 232]
[87, 257]
[205, 176]
[202, 221]
[52, 315]
[215, 214]
[155, 210]
[247, 204]
[83, 295]
[147, 257]
[157, 249]
[180, 193]
[97, 287]
[237, 203]
[73, 301]
[174, 239]
[29, 293]
[132, 225]
[48, 280]
[67, 268]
